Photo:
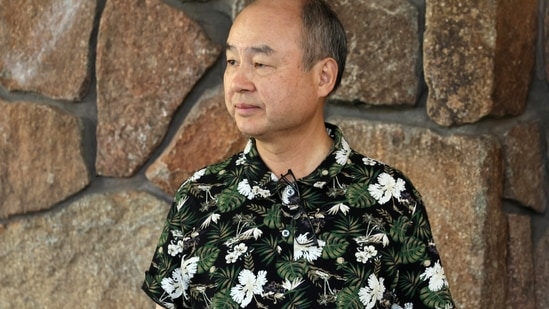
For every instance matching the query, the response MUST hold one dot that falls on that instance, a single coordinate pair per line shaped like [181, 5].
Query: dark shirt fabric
[352, 234]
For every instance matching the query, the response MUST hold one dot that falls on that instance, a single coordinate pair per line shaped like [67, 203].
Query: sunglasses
[291, 200]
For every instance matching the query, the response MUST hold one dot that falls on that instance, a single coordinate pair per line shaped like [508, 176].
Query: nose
[240, 79]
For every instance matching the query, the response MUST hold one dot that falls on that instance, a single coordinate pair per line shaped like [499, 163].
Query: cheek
[228, 103]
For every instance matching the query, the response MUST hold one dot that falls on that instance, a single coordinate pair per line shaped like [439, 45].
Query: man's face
[267, 91]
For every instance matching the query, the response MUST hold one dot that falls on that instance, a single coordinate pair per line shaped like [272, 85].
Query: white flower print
[378, 238]
[406, 306]
[242, 158]
[319, 184]
[211, 218]
[290, 285]
[306, 248]
[245, 189]
[248, 147]
[254, 232]
[249, 192]
[177, 233]
[342, 155]
[337, 208]
[238, 250]
[368, 161]
[370, 294]
[197, 175]
[362, 256]
[249, 285]
[178, 284]
[386, 188]
[436, 276]
[258, 191]
[173, 285]
[231, 257]
[175, 248]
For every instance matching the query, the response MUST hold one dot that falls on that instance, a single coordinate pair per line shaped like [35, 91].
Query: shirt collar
[328, 168]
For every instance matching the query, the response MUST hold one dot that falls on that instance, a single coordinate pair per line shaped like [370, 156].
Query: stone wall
[106, 106]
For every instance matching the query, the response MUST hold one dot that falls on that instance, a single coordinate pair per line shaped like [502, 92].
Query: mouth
[244, 106]
[245, 109]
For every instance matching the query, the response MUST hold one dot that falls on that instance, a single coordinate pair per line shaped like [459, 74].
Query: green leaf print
[291, 270]
[408, 283]
[298, 300]
[208, 255]
[358, 196]
[272, 217]
[229, 199]
[390, 259]
[348, 226]
[413, 250]
[435, 300]
[266, 249]
[220, 232]
[356, 274]
[335, 246]
[422, 229]
[223, 300]
[152, 284]
[226, 277]
[362, 173]
[348, 298]
[399, 228]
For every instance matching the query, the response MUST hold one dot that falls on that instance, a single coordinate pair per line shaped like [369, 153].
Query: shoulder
[384, 182]
[209, 174]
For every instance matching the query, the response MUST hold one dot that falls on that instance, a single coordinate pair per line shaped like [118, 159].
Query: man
[297, 219]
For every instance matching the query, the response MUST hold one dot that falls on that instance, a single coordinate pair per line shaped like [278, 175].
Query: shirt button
[285, 233]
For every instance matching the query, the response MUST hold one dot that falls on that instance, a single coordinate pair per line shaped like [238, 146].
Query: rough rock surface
[384, 49]
[520, 264]
[208, 135]
[541, 266]
[524, 166]
[41, 159]
[90, 254]
[149, 56]
[477, 60]
[45, 46]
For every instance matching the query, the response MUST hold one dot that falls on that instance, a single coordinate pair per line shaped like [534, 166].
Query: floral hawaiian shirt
[352, 234]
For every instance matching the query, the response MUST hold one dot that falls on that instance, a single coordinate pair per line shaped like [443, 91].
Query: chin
[250, 131]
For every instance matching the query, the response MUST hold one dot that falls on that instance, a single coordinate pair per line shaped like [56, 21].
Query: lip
[245, 109]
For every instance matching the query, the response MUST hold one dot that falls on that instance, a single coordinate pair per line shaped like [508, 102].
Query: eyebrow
[260, 49]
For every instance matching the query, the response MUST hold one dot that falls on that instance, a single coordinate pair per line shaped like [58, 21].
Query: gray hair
[323, 36]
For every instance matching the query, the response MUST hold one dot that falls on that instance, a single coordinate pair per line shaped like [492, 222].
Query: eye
[259, 65]
[231, 62]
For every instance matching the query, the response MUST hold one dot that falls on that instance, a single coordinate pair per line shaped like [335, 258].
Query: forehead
[267, 24]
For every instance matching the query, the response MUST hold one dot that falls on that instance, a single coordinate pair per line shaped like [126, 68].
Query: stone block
[41, 157]
[384, 49]
[460, 179]
[208, 135]
[45, 46]
[91, 254]
[478, 58]
[149, 57]
[546, 36]
[520, 264]
[541, 266]
[525, 174]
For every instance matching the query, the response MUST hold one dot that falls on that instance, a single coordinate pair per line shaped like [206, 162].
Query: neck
[302, 152]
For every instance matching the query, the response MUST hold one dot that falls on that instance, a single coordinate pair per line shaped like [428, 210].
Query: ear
[328, 75]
